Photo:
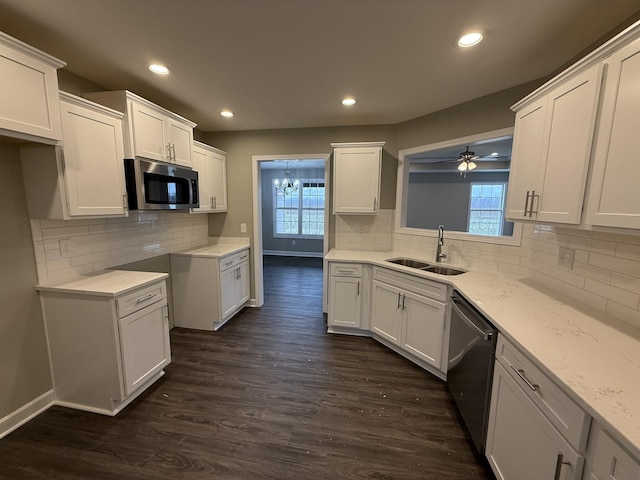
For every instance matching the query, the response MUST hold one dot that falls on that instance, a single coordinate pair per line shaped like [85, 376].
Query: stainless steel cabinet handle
[215, 203]
[526, 205]
[146, 297]
[375, 203]
[399, 297]
[404, 297]
[533, 196]
[533, 386]
[559, 462]
[358, 288]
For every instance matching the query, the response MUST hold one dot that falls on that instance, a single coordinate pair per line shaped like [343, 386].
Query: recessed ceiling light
[349, 101]
[159, 69]
[226, 113]
[470, 39]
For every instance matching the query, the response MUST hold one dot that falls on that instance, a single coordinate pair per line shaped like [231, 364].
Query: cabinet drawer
[421, 286]
[345, 270]
[134, 301]
[570, 420]
[233, 260]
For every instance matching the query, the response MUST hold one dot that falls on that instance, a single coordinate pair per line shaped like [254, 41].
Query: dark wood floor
[269, 396]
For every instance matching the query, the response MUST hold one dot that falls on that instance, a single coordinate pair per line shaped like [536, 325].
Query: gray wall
[284, 244]
[24, 362]
[443, 198]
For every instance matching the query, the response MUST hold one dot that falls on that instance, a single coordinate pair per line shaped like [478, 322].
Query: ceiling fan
[467, 163]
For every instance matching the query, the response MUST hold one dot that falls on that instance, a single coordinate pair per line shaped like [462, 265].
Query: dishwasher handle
[486, 336]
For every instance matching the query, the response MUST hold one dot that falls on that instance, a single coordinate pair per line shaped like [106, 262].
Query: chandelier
[466, 162]
[286, 186]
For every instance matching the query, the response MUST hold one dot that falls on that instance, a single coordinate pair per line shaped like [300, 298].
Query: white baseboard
[287, 253]
[19, 417]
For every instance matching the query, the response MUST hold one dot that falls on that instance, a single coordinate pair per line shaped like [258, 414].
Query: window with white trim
[300, 214]
[486, 208]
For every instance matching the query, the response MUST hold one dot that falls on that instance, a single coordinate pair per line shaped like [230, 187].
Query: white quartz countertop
[108, 283]
[595, 357]
[213, 251]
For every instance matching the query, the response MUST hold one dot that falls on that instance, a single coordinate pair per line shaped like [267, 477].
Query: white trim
[256, 177]
[27, 412]
[358, 144]
[292, 253]
[401, 193]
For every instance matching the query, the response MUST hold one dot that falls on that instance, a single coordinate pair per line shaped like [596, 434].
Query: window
[300, 214]
[486, 208]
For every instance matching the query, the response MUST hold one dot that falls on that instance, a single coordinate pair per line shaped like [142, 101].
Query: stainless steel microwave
[160, 186]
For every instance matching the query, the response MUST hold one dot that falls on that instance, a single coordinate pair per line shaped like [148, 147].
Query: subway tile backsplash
[64, 249]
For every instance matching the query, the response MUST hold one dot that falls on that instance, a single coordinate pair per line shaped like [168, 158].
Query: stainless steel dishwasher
[472, 346]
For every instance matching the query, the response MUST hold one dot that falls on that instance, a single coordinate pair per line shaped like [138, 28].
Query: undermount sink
[427, 267]
[407, 262]
[442, 270]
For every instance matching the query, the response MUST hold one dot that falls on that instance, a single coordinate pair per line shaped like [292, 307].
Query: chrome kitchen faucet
[439, 254]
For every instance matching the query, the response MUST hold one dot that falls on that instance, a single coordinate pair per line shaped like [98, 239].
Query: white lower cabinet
[523, 442]
[607, 460]
[409, 312]
[106, 350]
[208, 289]
[345, 295]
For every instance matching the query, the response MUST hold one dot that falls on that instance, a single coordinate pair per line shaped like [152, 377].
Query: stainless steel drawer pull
[526, 205]
[520, 372]
[559, 462]
[146, 297]
[399, 297]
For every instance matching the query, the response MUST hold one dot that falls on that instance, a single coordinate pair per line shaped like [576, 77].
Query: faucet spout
[439, 254]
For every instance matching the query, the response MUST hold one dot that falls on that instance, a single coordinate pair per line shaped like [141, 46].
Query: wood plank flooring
[269, 396]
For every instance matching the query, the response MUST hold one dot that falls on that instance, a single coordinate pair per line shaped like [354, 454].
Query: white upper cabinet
[551, 151]
[356, 177]
[211, 165]
[150, 131]
[28, 92]
[614, 196]
[84, 177]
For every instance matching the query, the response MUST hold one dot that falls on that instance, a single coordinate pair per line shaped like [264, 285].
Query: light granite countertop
[595, 357]
[214, 251]
[107, 283]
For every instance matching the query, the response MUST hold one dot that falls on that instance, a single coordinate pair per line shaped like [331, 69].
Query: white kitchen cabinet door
[551, 152]
[243, 283]
[423, 332]
[356, 179]
[28, 92]
[202, 165]
[571, 119]
[526, 158]
[228, 288]
[144, 339]
[614, 196]
[218, 179]
[180, 140]
[93, 156]
[344, 303]
[149, 140]
[387, 316]
[521, 443]
[609, 461]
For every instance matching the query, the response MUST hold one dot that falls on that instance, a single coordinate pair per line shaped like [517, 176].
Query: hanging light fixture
[466, 162]
[287, 186]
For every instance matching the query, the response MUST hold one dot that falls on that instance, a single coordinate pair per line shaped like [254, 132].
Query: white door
[243, 283]
[180, 136]
[228, 299]
[148, 133]
[423, 335]
[344, 304]
[386, 318]
[521, 443]
[526, 159]
[218, 178]
[356, 180]
[570, 127]
[201, 164]
[93, 162]
[144, 344]
[614, 198]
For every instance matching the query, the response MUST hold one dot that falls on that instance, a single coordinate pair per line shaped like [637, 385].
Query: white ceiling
[288, 63]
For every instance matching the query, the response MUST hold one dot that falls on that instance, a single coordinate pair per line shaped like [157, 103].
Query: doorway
[286, 239]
